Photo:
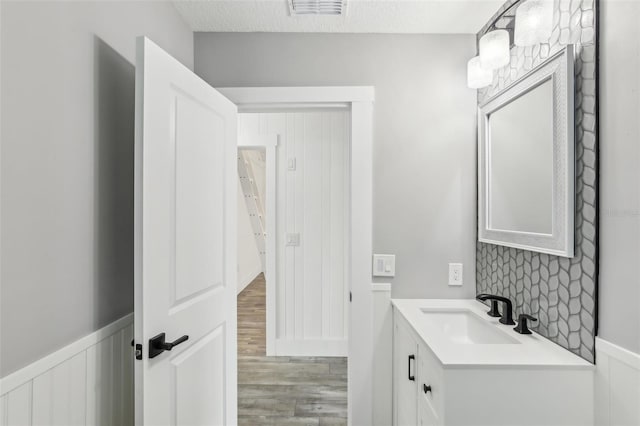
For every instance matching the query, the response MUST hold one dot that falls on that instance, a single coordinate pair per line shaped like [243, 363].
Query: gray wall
[424, 136]
[67, 166]
[619, 286]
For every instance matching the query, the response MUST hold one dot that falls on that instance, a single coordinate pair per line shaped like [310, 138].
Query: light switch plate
[293, 239]
[455, 274]
[291, 164]
[384, 265]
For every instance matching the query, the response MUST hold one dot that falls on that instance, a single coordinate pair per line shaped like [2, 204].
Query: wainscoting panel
[617, 386]
[59, 394]
[382, 354]
[89, 382]
[18, 406]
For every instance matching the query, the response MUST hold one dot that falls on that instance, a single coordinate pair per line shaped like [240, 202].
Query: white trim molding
[311, 347]
[360, 100]
[617, 385]
[268, 96]
[382, 354]
[87, 382]
[381, 287]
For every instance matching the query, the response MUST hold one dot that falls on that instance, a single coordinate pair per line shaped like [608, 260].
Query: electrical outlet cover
[384, 265]
[455, 274]
[293, 239]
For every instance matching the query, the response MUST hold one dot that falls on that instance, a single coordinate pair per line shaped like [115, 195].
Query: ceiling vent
[318, 7]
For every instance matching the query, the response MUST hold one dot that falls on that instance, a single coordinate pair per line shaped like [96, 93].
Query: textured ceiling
[363, 16]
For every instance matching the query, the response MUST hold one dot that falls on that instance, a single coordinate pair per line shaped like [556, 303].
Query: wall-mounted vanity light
[494, 49]
[524, 23]
[478, 77]
[534, 22]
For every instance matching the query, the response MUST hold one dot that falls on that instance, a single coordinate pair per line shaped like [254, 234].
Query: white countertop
[530, 350]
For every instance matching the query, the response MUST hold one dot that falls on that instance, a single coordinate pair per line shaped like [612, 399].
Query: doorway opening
[292, 347]
[251, 251]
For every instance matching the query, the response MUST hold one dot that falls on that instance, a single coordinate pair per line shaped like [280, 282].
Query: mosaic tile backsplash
[560, 292]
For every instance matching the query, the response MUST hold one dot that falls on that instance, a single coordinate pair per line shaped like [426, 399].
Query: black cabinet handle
[426, 388]
[412, 378]
[157, 344]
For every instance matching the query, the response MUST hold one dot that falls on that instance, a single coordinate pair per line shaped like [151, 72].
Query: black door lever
[157, 344]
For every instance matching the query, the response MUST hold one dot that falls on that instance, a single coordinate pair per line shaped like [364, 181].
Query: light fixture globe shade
[494, 49]
[478, 77]
[534, 22]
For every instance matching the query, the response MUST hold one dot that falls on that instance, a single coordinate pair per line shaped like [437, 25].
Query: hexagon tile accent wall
[560, 292]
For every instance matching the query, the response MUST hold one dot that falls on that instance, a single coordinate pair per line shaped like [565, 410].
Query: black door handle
[157, 344]
[426, 388]
[412, 378]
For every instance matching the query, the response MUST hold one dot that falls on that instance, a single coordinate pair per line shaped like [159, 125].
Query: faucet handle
[522, 323]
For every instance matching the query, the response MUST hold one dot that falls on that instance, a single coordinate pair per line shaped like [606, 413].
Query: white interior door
[185, 245]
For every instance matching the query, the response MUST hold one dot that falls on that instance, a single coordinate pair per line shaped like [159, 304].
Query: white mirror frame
[558, 68]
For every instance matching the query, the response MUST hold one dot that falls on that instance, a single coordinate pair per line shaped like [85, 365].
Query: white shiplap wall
[89, 382]
[312, 201]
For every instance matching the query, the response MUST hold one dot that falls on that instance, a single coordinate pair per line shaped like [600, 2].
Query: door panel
[185, 244]
[199, 183]
[198, 402]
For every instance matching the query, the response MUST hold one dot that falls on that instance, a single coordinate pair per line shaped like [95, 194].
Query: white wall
[249, 264]
[619, 285]
[67, 165]
[311, 201]
[424, 171]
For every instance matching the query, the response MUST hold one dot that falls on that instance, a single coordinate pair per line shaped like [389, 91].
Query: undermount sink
[462, 326]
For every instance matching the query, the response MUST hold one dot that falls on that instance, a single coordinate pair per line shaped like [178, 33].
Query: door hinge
[138, 351]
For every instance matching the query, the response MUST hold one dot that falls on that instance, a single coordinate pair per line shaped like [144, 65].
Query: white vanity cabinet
[417, 378]
[439, 383]
[405, 381]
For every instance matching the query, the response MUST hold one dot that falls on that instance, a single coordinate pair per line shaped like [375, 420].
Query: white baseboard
[243, 282]
[319, 347]
[617, 385]
[88, 382]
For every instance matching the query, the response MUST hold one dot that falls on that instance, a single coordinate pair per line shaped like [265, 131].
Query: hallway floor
[283, 390]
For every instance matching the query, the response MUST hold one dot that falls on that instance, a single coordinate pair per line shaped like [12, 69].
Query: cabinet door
[405, 352]
[430, 388]
[426, 416]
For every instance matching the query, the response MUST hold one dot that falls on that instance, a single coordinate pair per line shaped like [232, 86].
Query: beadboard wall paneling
[617, 386]
[559, 291]
[89, 382]
[382, 354]
[312, 201]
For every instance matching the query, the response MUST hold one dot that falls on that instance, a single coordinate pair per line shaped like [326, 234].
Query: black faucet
[507, 307]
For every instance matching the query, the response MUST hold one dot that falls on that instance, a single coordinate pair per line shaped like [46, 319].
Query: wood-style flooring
[283, 391]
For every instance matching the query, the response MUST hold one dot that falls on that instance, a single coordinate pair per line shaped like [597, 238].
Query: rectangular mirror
[526, 161]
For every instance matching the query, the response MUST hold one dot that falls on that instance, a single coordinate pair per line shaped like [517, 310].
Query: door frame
[359, 99]
[269, 143]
